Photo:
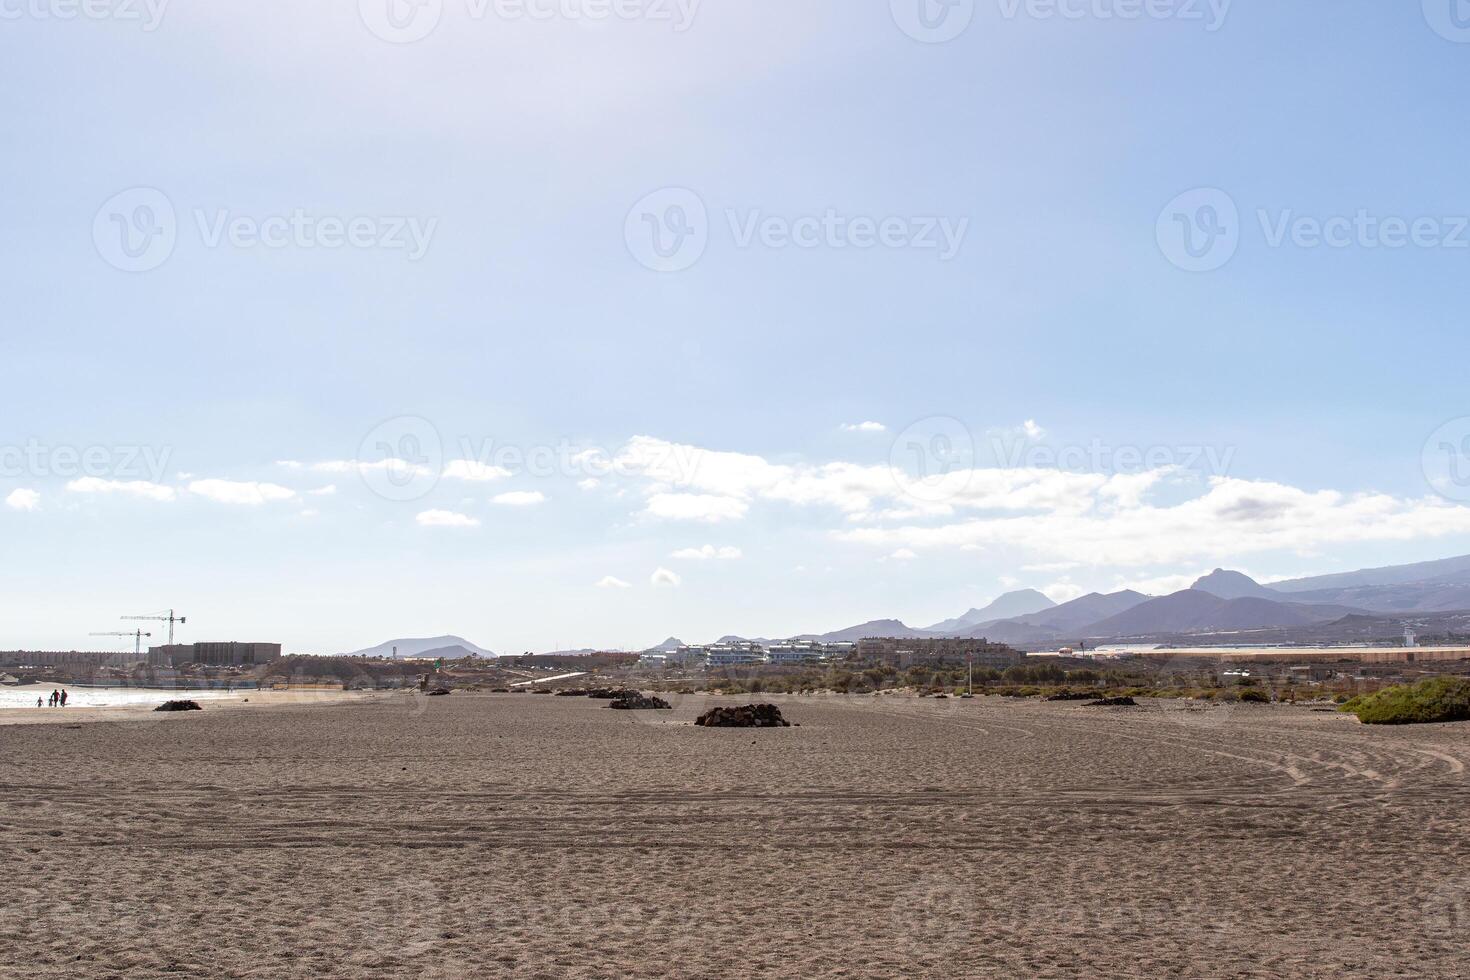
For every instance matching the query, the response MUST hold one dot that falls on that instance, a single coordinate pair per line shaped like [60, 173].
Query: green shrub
[1438, 699]
[1255, 697]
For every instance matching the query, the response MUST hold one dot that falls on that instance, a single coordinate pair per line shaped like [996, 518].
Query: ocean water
[100, 697]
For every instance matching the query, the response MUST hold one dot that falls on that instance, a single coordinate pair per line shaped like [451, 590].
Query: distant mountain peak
[876, 628]
[668, 646]
[1022, 602]
[1228, 584]
[414, 647]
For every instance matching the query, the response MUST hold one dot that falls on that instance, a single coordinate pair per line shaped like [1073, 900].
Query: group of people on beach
[57, 699]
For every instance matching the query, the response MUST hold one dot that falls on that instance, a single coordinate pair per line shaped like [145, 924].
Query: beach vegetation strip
[1438, 699]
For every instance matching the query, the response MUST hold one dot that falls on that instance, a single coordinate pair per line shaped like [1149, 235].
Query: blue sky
[496, 173]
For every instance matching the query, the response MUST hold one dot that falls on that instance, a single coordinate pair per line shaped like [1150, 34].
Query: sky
[583, 323]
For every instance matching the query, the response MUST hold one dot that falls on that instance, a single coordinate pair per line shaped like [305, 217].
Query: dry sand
[531, 836]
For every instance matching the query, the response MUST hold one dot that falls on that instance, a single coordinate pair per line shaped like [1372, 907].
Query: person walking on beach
[55, 696]
[63, 697]
[38, 700]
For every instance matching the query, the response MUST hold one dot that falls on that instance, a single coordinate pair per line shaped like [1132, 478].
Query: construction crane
[137, 636]
[169, 618]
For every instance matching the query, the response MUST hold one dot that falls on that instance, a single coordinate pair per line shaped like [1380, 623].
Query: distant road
[543, 680]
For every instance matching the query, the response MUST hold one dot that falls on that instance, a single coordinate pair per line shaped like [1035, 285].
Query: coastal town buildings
[904, 653]
[228, 654]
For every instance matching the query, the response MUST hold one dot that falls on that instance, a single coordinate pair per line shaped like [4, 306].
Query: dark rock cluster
[1112, 703]
[179, 706]
[635, 701]
[1069, 696]
[748, 716]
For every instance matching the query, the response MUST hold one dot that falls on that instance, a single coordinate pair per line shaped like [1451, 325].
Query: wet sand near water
[77, 711]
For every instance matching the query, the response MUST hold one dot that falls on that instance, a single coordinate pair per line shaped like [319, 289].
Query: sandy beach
[531, 836]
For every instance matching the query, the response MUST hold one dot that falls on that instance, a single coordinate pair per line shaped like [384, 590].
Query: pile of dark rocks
[748, 716]
[1112, 703]
[637, 701]
[572, 692]
[1069, 696]
[179, 706]
[607, 693]
[440, 692]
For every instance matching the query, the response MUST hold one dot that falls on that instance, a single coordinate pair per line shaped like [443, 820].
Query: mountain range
[1224, 606]
[434, 647]
[1221, 605]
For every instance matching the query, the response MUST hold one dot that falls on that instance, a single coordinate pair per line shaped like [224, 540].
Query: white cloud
[709, 553]
[1129, 489]
[520, 498]
[475, 472]
[1032, 430]
[663, 578]
[23, 500]
[864, 427]
[903, 554]
[247, 494]
[1056, 519]
[445, 518]
[1159, 585]
[289, 464]
[696, 507]
[398, 469]
[591, 483]
[1063, 591]
[1073, 522]
[612, 582]
[856, 490]
[326, 491]
[1009, 581]
[132, 488]
[1051, 566]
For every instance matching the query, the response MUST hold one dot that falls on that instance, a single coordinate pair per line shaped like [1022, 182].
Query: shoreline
[238, 701]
